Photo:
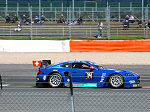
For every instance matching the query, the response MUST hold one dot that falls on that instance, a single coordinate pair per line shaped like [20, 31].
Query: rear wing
[45, 63]
[42, 64]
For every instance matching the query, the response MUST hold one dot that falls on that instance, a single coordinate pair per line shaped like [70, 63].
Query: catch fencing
[87, 13]
[85, 100]
[29, 99]
[74, 32]
[92, 14]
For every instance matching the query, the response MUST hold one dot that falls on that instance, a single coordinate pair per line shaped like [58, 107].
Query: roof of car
[75, 61]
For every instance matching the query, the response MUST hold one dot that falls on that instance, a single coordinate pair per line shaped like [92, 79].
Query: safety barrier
[75, 46]
[34, 46]
[110, 46]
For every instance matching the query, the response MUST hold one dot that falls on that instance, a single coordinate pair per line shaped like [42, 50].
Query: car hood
[121, 71]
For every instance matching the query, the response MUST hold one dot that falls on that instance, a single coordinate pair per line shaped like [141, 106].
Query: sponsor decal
[44, 78]
[4, 85]
[103, 77]
[36, 63]
[68, 80]
[134, 85]
[85, 85]
[118, 71]
[89, 75]
[132, 81]
[55, 70]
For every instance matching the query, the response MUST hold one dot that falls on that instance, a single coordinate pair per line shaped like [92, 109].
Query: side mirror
[92, 68]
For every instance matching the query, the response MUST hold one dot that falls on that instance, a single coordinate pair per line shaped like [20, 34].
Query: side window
[66, 65]
[85, 66]
[80, 66]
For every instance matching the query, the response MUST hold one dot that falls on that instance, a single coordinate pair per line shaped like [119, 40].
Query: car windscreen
[96, 65]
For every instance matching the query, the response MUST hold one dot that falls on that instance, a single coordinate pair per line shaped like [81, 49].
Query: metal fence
[95, 14]
[85, 100]
[73, 32]
[88, 13]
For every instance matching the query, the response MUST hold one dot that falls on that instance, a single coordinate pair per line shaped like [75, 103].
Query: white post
[84, 5]
[6, 10]
[108, 20]
[39, 8]
[119, 11]
[130, 6]
[73, 10]
[17, 9]
[67, 14]
[79, 12]
[146, 21]
[70, 23]
[31, 22]
[55, 14]
[142, 9]
[62, 5]
[51, 6]
[96, 6]
[92, 14]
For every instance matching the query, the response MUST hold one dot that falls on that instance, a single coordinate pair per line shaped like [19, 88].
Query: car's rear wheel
[116, 81]
[55, 80]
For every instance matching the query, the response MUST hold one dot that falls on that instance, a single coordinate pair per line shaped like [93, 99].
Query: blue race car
[84, 74]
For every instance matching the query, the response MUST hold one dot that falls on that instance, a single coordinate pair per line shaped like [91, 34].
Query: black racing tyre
[55, 80]
[116, 81]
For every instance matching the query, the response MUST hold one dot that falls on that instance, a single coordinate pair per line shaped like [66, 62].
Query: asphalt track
[27, 73]
[31, 99]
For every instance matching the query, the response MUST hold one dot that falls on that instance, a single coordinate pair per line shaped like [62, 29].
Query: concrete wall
[34, 46]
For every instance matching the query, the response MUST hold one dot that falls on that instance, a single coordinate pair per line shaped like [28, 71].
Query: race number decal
[89, 75]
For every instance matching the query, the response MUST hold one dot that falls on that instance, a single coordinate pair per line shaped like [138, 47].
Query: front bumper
[132, 81]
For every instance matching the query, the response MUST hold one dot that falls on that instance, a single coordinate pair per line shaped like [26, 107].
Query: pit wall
[74, 45]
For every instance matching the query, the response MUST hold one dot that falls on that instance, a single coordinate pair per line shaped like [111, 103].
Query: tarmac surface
[32, 99]
[27, 73]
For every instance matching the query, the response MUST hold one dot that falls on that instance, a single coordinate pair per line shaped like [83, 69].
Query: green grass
[14, 38]
[21, 83]
[145, 84]
[67, 38]
[127, 37]
[55, 38]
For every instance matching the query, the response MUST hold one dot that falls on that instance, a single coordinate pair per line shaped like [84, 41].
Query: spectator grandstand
[86, 13]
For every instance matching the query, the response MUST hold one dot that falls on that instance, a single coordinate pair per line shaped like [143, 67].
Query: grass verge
[75, 38]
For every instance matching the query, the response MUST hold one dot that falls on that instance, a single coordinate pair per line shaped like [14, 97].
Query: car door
[81, 73]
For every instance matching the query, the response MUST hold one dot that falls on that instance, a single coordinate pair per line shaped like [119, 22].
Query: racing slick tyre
[55, 80]
[116, 81]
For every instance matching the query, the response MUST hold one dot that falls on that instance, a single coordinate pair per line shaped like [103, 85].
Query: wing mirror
[92, 68]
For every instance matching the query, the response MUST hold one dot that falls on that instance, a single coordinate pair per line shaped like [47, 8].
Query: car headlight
[129, 74]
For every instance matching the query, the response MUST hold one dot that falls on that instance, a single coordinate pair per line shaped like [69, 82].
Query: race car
[84, 74]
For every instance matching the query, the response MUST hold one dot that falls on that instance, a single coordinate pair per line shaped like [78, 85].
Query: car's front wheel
[116, 81]
[55, 80]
